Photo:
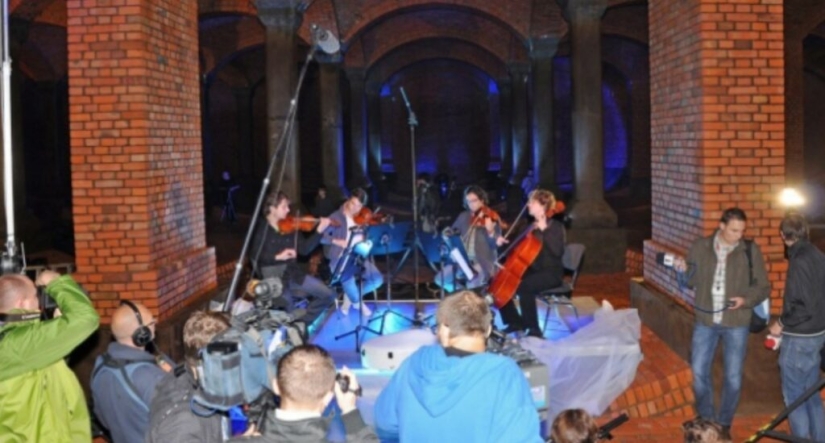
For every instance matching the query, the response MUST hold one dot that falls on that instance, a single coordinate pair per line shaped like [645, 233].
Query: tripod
[351, 265]
[767, 430]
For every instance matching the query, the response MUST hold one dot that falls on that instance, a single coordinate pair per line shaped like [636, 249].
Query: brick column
[332, 136]
[717, 125]
[544, 147]
[137, 184]
[358, 125]
[281, 19]
[590, 210]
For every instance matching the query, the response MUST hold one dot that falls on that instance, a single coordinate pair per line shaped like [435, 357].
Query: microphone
[324, 39]
[404, 95]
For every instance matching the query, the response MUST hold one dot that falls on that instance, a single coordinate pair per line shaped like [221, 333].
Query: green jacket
[40, 397]
[702, 266]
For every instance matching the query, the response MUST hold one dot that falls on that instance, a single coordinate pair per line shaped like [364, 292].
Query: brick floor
[660, 399]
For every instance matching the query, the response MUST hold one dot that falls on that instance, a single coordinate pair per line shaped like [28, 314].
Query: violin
[302, 224]
[368, 217]
[482, 215]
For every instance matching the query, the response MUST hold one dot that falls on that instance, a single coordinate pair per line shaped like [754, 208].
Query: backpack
[761, 312]
[122, 370]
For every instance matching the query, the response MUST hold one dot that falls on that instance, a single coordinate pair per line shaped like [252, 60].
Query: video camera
[238, 365]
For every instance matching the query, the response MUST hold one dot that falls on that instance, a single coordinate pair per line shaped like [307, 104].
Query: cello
[527, 247]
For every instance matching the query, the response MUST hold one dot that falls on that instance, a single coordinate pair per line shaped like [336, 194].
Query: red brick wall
[135, 153]
[717, 125]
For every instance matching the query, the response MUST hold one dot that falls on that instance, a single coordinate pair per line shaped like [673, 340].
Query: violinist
[276, 251]
[479, 226]
[345, 231]
[545, 271]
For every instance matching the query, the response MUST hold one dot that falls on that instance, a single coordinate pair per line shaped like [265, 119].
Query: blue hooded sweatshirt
[438, 398]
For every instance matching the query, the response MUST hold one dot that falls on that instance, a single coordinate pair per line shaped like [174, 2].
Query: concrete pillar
[520, 73]
[281, 18]
[590, 210]
[544, 147]
[358, 170]
[332, 136]
[505, 102]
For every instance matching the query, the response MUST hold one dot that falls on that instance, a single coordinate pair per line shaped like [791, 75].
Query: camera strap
[12, 318]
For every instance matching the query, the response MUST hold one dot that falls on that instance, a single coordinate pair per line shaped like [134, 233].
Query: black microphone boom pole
[326, 42]
[412, 121]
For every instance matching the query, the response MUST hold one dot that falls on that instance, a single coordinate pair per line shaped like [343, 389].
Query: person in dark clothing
[171, 415]
[306, 383]
[802, 326]
[545, 272]
[324, 204]
[276, 253]
[125, 376]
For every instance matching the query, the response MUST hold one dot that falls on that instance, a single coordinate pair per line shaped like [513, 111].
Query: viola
[368, 217]
[482, 215]
[291, 224]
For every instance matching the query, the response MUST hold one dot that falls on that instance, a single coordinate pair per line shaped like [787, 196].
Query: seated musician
[275, 254]
[478, 232]
[342, 234]
[546, 270]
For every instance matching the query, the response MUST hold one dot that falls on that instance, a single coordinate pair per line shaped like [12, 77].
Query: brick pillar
[717, 125]
[590, 210]
[332, 136]
[137, 185]
[358, 125]
[505, 103]
[281, 18]
[544, 147]
[794, 105]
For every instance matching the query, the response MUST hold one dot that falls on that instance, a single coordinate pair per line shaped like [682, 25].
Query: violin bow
[510, 231]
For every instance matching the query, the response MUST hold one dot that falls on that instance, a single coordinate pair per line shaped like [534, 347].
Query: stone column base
[606, 248]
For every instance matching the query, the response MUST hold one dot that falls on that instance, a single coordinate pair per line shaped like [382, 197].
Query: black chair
[572, 261]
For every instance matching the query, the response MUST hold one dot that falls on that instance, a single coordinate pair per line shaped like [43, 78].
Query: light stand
[286, 136]
[412, 121]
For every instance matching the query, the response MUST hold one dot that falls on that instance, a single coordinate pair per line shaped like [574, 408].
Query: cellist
[479, 227]
[546, 270]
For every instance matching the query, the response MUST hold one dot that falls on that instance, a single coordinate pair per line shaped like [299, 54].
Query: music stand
[389, 239]
[351, 265]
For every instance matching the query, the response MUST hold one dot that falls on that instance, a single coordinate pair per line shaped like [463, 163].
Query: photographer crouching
[40, 397]
[306, 382]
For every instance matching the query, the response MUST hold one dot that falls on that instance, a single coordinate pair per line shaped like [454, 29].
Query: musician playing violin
[276, 250]
[345, 232]
[546, 270]
[479, 226]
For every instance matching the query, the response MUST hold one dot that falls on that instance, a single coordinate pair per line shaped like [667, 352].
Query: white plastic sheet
[592, 367]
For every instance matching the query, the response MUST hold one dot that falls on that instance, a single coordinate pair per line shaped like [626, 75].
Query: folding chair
[572, 261]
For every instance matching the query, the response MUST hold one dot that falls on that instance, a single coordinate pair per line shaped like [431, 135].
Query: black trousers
[531, 285]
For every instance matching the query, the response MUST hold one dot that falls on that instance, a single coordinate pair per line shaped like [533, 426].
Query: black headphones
[142, 335]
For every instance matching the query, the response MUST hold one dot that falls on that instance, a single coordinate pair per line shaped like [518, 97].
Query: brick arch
[43, 56]
[433, 49]
[402, 29]
[627, 20]
[510, 14]
[227, 6]
[224, 35]
[29, 9]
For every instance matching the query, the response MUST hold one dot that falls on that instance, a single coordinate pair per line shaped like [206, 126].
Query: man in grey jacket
[729, 278]
[802, 325]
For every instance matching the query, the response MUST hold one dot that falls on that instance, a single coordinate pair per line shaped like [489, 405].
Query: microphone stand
[286, 136]
[412, 121]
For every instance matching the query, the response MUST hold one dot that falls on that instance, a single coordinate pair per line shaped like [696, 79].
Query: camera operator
[306, 383]
[574, 426]
[729, 278]
[439, 386]
[40, 397]
[173, 416]
[125, 376]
